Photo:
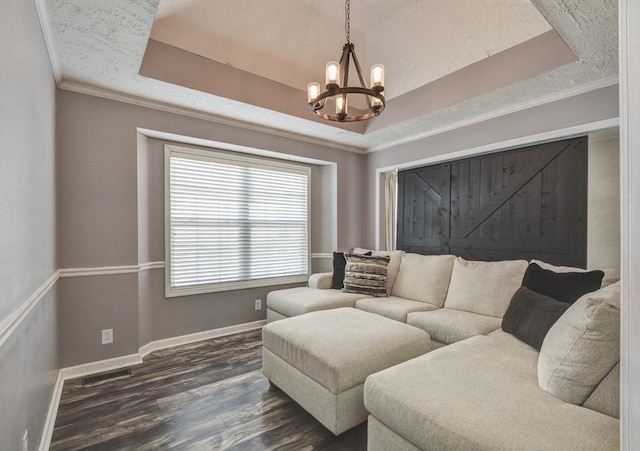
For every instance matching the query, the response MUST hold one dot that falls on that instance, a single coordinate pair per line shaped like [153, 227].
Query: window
[233, 222]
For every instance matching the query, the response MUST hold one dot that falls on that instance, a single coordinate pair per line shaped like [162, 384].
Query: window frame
[226, 157]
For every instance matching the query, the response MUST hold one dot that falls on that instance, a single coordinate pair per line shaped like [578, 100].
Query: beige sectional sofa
[450, 298]
[484, 388]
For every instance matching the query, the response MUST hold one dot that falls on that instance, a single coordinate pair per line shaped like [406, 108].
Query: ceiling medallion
[337, 89]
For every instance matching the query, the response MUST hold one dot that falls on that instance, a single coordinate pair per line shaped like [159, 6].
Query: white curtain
[390, 183]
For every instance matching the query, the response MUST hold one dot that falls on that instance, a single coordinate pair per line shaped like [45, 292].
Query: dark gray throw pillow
[530, 315]
[563, 286]
[339, 262]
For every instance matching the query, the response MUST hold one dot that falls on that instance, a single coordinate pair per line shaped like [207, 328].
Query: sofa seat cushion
[300, 300]
[482, 393]
[424, 278]
[340, 348]
[393, 307]
[484, 287]
[449, 326]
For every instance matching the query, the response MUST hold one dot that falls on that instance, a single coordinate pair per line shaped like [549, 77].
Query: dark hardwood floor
[209, 395]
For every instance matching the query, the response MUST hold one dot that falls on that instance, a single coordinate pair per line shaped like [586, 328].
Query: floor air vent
[89, 380]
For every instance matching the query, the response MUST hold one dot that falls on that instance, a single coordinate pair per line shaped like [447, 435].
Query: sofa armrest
[321, 280]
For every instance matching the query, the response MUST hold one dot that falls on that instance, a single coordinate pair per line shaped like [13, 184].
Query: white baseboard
[121, 362]
[199, 336]
[47, 431]
[100, 367]
[71, 373]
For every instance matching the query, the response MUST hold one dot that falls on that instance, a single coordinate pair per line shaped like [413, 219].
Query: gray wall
[603, 221]
[28, 342]
[110, 205]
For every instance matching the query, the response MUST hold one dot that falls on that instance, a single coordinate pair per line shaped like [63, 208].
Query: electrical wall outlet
[258, 304]
[25, 441]
[107, 336]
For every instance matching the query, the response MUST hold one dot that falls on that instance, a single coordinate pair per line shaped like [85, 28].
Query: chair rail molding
[13, 321]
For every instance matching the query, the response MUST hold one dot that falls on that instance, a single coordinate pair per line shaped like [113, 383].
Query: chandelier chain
[347, 20]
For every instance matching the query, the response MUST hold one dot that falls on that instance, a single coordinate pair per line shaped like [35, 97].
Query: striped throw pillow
[365, 274]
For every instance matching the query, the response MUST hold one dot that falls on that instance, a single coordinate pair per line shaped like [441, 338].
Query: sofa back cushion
[582, 347]
[395, 258]
[484, 287]
[424, 278]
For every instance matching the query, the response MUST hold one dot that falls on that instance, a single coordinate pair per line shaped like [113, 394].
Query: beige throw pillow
[484, 287]
[424, 278]
[582, 347]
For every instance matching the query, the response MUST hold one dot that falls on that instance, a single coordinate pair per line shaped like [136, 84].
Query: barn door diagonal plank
[515, 184]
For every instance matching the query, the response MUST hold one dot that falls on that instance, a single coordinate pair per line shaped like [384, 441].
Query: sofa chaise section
[498, 392]
[480, 393]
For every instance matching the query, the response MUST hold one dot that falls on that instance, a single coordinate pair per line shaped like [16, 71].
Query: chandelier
[337, 89]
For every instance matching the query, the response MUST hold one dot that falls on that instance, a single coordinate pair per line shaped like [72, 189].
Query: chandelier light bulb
[377, 76]
[341, 105]
[333, 71]
[313, 90]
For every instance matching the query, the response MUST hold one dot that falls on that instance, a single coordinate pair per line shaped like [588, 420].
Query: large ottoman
[321, 359]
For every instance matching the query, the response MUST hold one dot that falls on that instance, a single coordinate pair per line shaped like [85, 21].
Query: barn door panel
[423, 195]
[528, 203]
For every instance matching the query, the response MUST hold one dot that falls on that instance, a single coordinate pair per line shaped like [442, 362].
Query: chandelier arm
[344, 65]
[363, 82]
[344, 80]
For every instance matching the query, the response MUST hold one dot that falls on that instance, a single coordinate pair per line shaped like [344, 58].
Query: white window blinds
[235, 222]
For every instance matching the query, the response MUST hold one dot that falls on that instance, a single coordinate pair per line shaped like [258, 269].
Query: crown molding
[43, 16]
[539, 101]
[188, 112]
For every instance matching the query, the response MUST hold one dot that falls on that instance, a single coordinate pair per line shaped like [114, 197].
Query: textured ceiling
[98, 46]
